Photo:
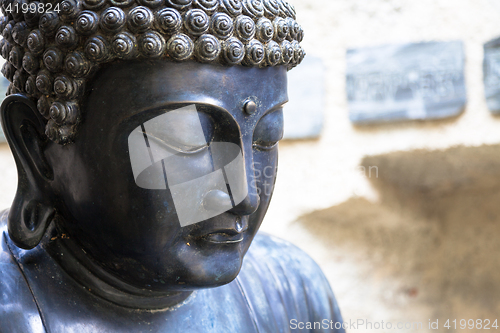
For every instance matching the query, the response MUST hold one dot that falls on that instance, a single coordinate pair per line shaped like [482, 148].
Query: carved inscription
[410, 81]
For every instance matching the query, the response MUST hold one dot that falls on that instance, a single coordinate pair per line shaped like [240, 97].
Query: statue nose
[242, 196]
[248, 206]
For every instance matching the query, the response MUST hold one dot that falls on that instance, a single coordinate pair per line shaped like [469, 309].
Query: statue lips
[224, 237]
[226, 228]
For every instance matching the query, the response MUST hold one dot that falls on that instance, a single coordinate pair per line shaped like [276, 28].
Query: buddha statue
[145, 134]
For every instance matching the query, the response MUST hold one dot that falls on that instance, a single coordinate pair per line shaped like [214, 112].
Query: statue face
[128, 212]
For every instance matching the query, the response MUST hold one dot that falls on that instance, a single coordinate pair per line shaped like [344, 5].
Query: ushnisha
[51, 55]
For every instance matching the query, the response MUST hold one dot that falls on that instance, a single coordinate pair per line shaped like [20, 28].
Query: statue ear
[31, 211]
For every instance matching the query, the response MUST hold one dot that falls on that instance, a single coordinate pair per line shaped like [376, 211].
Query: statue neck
[74, 261]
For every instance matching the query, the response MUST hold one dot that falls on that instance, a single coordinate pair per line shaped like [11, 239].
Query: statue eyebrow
[220, 106]
[275, 107]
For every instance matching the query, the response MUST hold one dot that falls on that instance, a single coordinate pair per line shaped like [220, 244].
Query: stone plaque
[405, 82]
[305, 111]
[491, 67]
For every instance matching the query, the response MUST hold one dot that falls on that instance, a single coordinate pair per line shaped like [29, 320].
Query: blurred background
[402, 215]
[394, 191]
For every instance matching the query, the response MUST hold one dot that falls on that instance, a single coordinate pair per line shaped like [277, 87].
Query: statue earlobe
[28, 221]
[32, 209]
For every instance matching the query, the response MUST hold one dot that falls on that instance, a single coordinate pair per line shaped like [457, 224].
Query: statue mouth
[223, 238]
[226, 228]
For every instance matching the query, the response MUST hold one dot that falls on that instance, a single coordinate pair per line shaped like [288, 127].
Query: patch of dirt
[430, 248]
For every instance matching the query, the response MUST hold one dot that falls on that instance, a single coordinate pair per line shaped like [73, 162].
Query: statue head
[147, 130]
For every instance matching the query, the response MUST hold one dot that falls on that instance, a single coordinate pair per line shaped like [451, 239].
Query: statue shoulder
[303, 288]
[18, 310]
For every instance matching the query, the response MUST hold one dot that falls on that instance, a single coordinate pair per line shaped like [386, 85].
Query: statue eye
[269, 130]
[185, 148]
[183, 130]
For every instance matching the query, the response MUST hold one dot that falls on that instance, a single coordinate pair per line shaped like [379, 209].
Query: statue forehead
[128, 88]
